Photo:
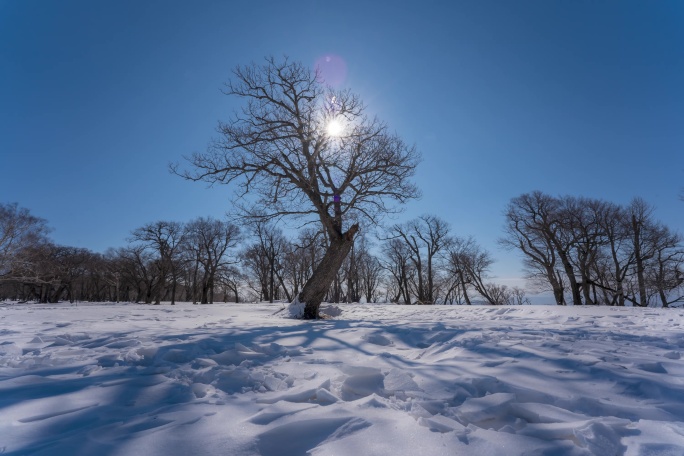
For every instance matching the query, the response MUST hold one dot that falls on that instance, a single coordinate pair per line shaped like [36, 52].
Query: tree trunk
[204, 298]
[570, 272]
[464, 286]
[430, 284]
[173, 289]
[288, 296]
[271, 278]
[663, 298]
[638, 257]
[317, 286]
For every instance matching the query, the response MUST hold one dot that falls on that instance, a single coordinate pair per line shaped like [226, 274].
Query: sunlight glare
[335, 128]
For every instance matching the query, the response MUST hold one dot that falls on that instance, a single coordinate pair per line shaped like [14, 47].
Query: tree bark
[318, 285]
[639, 259]
[464, 286]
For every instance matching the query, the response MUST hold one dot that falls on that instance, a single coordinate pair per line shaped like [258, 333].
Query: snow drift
[238, 379]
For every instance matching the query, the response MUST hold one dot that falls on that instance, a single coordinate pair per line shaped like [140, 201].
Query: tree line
[585, 251]
[207, 260]
[590, 251]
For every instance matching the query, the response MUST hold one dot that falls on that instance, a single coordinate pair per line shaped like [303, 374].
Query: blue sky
[501, 97]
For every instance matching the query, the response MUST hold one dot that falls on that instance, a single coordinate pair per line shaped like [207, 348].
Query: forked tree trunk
[318, 285]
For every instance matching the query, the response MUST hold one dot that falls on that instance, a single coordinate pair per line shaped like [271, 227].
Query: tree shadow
[138, 393]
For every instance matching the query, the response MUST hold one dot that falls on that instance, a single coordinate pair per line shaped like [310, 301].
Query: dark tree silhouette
[299, 148]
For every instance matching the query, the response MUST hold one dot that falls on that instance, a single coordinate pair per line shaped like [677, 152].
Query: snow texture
[239, 379]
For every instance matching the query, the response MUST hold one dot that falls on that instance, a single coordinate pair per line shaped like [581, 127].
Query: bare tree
[166, 240]
[361, 272]
[496, 294]
[301, 258]
[281, 150]
[257, 268]
[640, 213]
[140, 267]
[272, 246]
[369, 270]
[607, 253]
[532, 226]
[426, 237]
[517, 297]
[352, 278]
[397, 264]
[470, 264]
[230, 278]
[38, 271]
[666, 274]
[584, 219]
[19, 230]
[614, 262]
[210, 240]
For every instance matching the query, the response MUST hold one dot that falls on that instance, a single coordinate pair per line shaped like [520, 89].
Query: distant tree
[361, 272]
[426, 237]
[141, 269]
[496, 294]
[230, 278]
[643, 243]
[614, 262]
[666, 274]
[352, 275]
[469, 263]
[303, 150]
[303, 257]
[166, 239]
[533, 227]
[453, 292]
[210, 240]
[397, 263]
[38, 272]
[370, 270]
[19, 231]
[604, 252]
[257, 268]
[582, 220]
[271, 246]
[71, 265]
[112, 270]
[517, 297]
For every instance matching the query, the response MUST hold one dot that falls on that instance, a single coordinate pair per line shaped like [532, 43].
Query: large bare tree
[299, 148]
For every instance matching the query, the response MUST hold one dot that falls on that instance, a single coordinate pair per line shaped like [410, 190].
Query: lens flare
[333, 69]
[334, 128]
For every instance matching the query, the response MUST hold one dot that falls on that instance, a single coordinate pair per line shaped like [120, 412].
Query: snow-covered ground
[238, 379]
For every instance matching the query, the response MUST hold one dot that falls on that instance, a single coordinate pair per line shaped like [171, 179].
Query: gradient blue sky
[501, 97]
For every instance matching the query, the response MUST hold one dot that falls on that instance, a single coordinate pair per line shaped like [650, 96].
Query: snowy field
[238, 379]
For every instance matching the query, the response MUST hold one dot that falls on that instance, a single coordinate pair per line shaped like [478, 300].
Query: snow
[242, 379]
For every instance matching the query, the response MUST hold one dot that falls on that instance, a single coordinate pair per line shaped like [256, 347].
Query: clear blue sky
[502, 97]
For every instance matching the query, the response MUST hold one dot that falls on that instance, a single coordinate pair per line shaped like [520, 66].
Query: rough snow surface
[239, 379]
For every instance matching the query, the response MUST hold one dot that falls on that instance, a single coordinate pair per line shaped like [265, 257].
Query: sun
[334, 128]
